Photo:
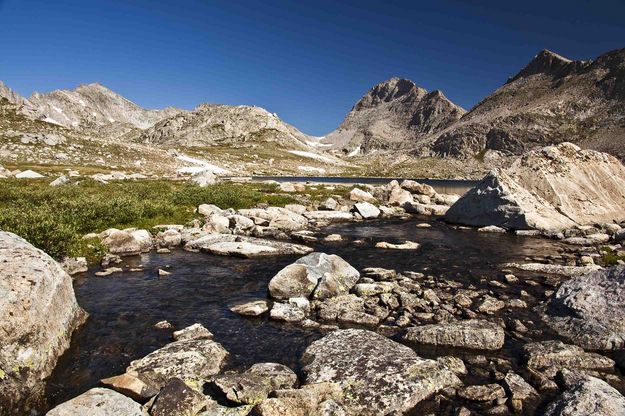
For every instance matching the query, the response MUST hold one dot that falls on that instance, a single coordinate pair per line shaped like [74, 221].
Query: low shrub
[55, 218]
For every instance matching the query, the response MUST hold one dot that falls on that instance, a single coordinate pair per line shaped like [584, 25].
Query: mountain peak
[390, 90]
[545, 62]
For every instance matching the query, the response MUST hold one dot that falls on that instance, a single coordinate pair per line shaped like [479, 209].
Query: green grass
[609, 257]
[55, 218]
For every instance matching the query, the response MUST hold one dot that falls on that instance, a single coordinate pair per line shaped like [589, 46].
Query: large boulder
[378, 376]
[280, 218]
[588, 396]
[550, 189]
[588, 310]
[128, 242]
[99, 402]
[318, 274]
[38, 313]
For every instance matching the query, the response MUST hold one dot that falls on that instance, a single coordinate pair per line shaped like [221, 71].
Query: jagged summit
[547, 62]
[393, 114]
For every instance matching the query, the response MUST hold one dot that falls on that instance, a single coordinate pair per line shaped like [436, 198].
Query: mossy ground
[56, 218]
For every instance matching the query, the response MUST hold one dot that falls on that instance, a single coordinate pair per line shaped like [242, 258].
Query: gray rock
[178, 399]
[589, 310]
[482, 393]
[334, 308]
[244, 246]
[279, 376]
[190, 360]
[253, 308]
[367, 210]
[130, 386]
[242, 389]
[286, 312]
[418, 188]
[195, 331]
[475, 334]
[99, 402]
[589, 396]
[38, 313]
[570, 271]
[204, 178]
[126, 242]
[75, 265]
[317, 274]
[359, 195]
[540, 191]
[61, 180]
[169, 238]
[377, 375]
[330, 216]
[551, 356]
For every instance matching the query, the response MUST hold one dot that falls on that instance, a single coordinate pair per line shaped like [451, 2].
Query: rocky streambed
[471, 323]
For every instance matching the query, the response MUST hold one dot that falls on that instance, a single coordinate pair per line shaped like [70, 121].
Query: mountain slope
[95, 107]
[215, 124]
[394, 114]
[550, 101]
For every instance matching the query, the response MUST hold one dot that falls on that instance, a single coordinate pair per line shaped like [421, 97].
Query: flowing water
[124, 307]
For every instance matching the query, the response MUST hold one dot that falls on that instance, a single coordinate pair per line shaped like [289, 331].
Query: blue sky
[308, 61]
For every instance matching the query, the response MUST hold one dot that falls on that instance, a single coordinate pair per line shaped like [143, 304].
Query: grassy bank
[55, 218]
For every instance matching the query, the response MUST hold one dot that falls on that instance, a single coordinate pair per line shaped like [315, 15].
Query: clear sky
[308, 61]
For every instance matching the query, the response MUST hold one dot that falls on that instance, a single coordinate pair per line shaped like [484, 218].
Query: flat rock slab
[589, 310]
[407, 245]
[242, 246]
[550, 356]
[331, 216]
[189, 360]
[474, 334]
[590, 396]
[378, 376]
[570, 271]
[99, 402]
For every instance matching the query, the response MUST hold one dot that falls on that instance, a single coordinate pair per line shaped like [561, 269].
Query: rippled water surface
[124, 307]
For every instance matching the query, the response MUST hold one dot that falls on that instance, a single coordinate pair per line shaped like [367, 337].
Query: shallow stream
[124, 307]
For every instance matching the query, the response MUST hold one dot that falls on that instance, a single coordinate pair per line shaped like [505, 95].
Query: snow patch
[200, 166]
[354, 152]
[311, 169]
[312, 156]
[52, 121]
[316, 141]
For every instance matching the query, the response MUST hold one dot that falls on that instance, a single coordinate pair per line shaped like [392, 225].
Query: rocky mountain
[23, 105]
[95, 107]
[215, 124]
[551, 100]
[393, 114]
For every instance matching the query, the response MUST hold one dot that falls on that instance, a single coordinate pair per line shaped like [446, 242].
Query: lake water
[124, 307]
